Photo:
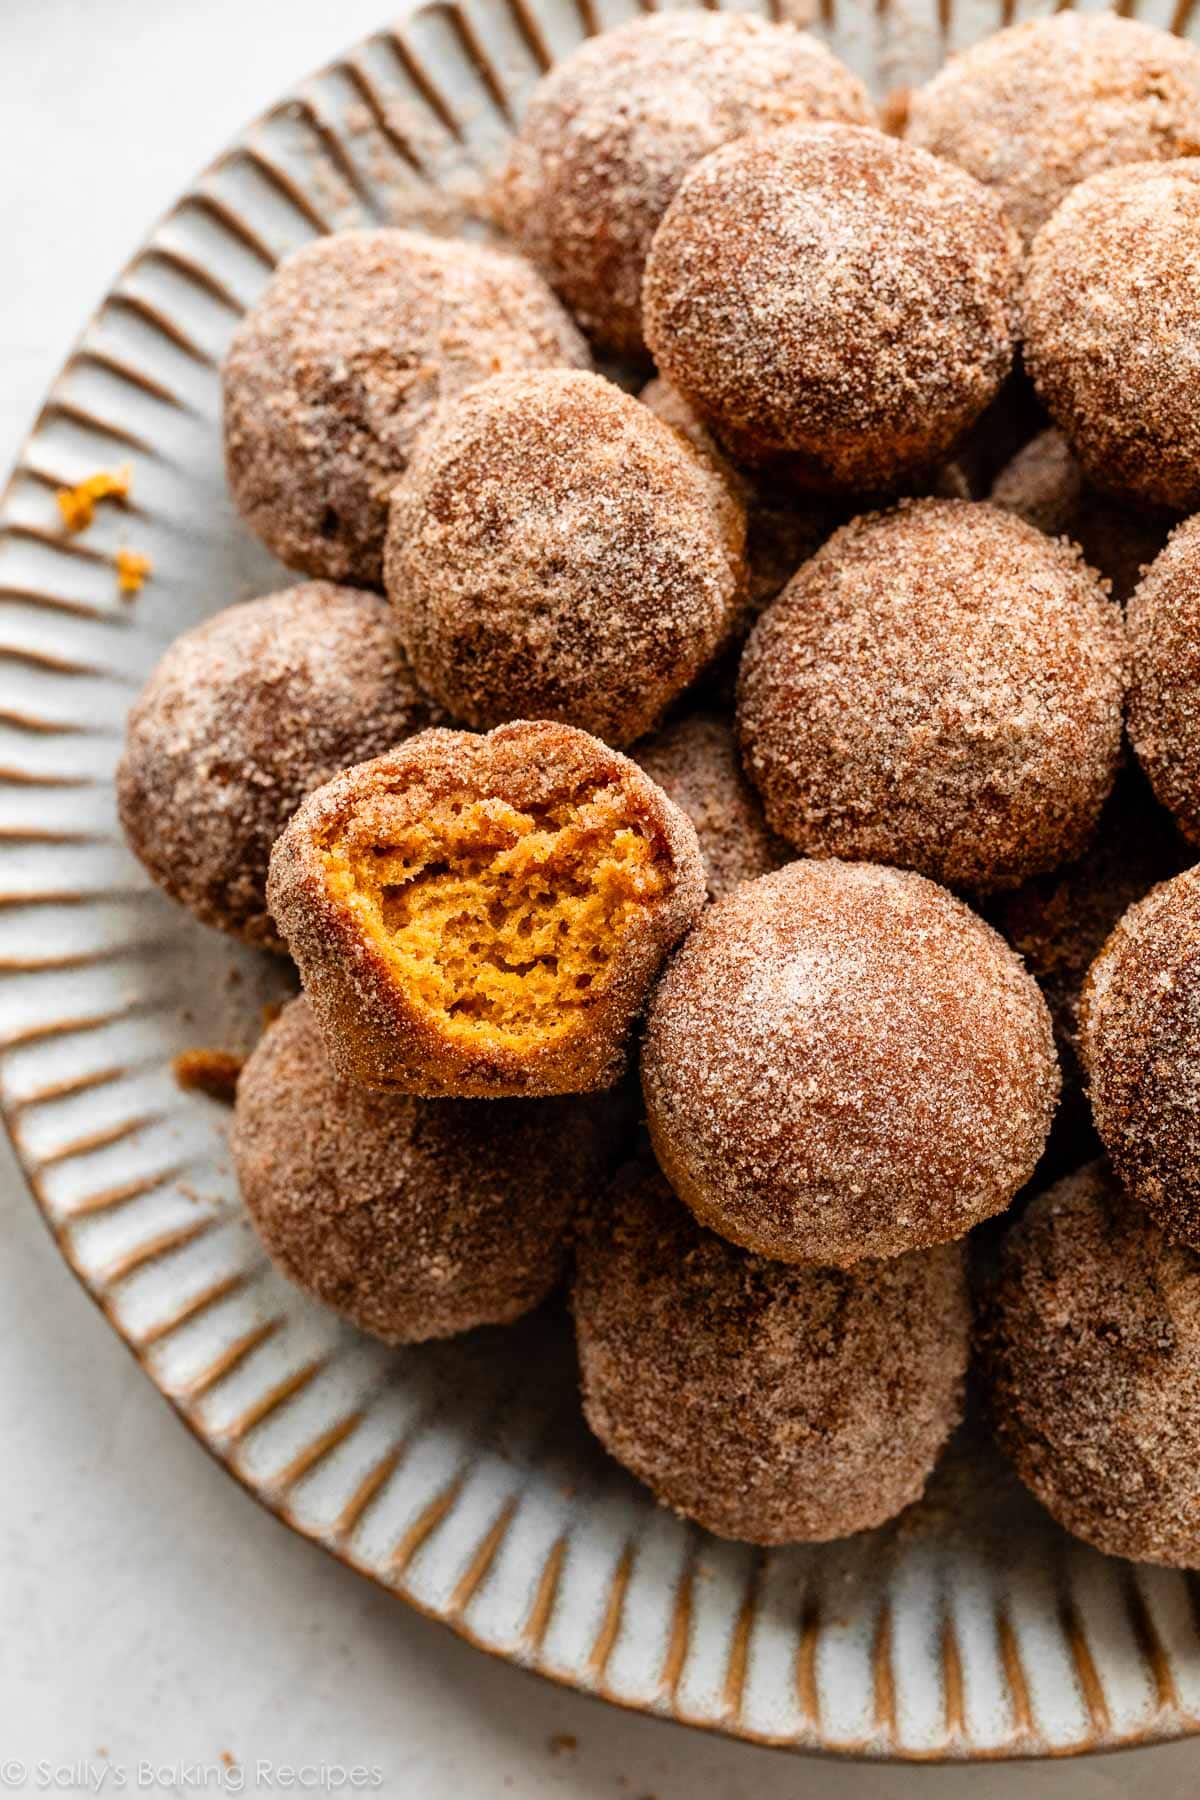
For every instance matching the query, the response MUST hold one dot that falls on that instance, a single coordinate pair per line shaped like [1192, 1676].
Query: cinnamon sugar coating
[1111, 313]
[1164, 642]
[341, 364]
[244, 716]
[843, 1061]
[772, 1404]
[1045, 485]
[1059, 922]
[483, 916]
[695, 762]
[1033, 110]
[834, 303]
[412, 1218]
[611, 131]
[1140, 1042]
[1091, 1347]
[782, 529]
[940, 687]
[557, 552]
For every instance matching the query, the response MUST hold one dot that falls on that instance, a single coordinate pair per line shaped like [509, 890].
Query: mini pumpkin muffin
[1034, 110]
[1091, 1350]
[843, 1061]
[611, 131]
[484, 915]
[773, 1404]
[1045, 485]
[694, 761]
[1140, 1042]
[412, 1218]
[557, 552]
[1111, 317]
[342, 362]
[939, 687]
[244, 716]
[1164, 642]
[835, 305]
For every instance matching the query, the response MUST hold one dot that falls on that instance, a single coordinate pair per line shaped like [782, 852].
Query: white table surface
[150, 1612]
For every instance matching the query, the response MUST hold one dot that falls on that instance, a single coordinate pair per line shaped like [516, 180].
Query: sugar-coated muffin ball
[844, 1061]
[1033, 110]
[769, 1403]
[610, 133]
[1091, 1350]
[1111, 314]
[1164, 643]
[939, 687]
[1140, 1040]
[1059, 922]
[412, 1218]
[695, 762]
[833, 303]
[1044, 484]
[782, 528]
[342, 362]
[484, 916]
[243, 717]
[557, 552]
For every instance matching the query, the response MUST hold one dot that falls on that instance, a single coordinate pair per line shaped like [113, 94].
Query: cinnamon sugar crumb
[78, 504]
[211, 1072]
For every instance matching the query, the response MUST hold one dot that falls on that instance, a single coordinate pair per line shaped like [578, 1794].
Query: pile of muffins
[814, 732]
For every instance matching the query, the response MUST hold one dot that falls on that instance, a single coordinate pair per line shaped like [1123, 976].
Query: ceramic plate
[970, 1628]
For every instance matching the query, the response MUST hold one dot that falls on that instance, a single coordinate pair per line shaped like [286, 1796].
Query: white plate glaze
[460, 1477]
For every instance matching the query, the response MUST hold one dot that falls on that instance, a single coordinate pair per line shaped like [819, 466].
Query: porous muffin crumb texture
[834, 304]
[484, 915]
[1033, 110]
[939, 687]
[771, 1404]
[1140, 1039]
[843, 1061]
[414, 1219]
[1111, 312]
[1091, 1350]
[611, 131]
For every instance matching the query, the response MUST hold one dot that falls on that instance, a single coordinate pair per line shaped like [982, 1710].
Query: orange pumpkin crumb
[211, 1072]
[132, 570]
[78, 504]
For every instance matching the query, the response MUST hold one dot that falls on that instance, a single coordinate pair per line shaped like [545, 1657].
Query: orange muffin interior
[500, 923]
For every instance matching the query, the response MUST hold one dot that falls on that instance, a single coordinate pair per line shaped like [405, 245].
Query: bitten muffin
[557, 552]
[1140, 1040]
[1091, 1347]
[412, 1218]
[1111, 312]
[843, 1061]
[773, 1404]
[342, 362]
[695, 762]
[833, 304]
[243, 717]
[1045, 485]
[1035, 109]
[484, 915]
[940, 687]
[1164, 643]
[611, 131]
